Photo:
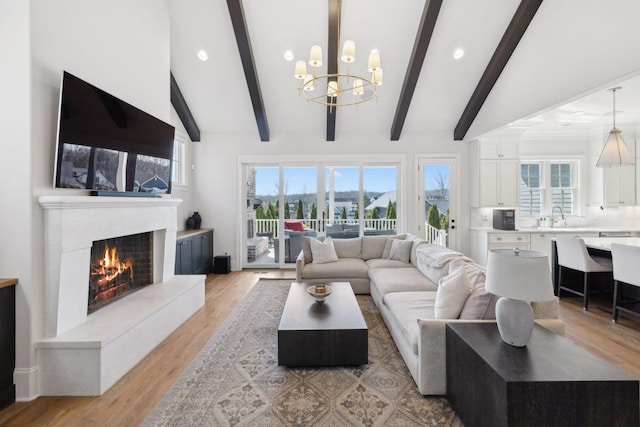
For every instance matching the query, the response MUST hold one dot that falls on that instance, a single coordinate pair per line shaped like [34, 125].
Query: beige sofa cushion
[406, 279]
[406, 308]
[348, 248]
[386, 263]
[373, 246]
[417, 242]
[343, 268]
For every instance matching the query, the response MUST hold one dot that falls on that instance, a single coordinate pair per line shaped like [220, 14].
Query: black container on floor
[222, 264]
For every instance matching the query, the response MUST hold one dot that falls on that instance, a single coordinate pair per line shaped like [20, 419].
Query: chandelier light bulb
[332, 89]
[374, 61]
[358, 87]
[348, 51]
[308, 83]
[315, 56]
[301, 70]
[377, 77]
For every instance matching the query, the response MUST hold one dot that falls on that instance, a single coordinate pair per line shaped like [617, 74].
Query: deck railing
[435, 235]
[270, 226]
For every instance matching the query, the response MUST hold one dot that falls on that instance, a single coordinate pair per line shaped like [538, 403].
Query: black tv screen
[107, 144]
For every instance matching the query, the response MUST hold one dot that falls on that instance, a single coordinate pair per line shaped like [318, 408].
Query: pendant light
[615, 152]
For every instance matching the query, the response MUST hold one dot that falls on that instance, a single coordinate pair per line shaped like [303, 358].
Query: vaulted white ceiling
[571, 48]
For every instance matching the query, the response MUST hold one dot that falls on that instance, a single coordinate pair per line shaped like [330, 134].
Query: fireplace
[118, 267]
[81, 353]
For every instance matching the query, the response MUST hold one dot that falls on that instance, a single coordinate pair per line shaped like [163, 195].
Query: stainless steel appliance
[504, 219]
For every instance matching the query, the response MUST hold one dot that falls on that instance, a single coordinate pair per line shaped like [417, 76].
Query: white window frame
[545, 188]
[179, 165]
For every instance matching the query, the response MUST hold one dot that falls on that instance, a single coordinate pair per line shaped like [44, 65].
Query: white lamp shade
[519, 275]
[315, 56]
[348, 51]
[358, 88]
[308, 83]
[615, 152]
[332, 89]
[374, 61]
[377, 77]
[301, 70]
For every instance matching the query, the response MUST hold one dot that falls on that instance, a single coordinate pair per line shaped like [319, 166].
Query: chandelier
[615, 152]
[339, 89]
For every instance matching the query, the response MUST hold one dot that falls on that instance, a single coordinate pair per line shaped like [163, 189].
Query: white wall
[120, 46]
[217, 189]
[16, 231]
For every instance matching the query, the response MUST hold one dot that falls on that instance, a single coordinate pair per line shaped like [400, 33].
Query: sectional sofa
[404, 285]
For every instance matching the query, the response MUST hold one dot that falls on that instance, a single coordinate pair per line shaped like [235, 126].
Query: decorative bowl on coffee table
[319, 292]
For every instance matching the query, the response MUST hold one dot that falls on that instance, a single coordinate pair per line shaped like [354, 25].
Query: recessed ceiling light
[202, 55]
[458, 53]
[288, 55]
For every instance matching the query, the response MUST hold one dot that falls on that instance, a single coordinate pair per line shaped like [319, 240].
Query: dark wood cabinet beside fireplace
[194, 251]
[7, 341]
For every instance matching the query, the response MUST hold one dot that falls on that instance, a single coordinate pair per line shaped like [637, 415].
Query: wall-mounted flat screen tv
[109, 145]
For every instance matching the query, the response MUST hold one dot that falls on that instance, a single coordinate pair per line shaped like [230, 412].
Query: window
[178, 171]
[546, 184]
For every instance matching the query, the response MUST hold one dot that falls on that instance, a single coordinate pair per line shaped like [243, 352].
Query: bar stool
[572, 253]
[626, 270]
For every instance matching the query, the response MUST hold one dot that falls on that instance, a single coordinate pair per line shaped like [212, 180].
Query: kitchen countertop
[583, 229]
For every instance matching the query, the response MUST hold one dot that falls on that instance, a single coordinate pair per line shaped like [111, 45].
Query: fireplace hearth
[119, 266]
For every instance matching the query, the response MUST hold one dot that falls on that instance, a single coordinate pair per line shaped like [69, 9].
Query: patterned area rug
[236, 380]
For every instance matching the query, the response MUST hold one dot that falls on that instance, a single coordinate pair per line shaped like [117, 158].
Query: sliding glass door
[288, 201]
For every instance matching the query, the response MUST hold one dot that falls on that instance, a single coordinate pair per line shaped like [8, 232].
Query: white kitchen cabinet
[541, 242]
[499, 149]
[499, 183]
[620, 186]
[481, 242]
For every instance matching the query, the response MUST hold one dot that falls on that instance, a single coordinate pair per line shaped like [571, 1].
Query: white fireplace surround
[85, 354]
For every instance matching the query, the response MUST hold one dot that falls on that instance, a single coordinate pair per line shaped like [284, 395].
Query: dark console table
[550, 382]
[7, 341]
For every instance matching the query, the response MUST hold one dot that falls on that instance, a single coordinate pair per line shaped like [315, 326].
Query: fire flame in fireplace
[110, 265]
[110, 276]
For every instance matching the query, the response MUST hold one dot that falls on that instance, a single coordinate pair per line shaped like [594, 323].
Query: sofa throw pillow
[387, 249]
[400, 250]
[453, 291]
[477, 305]
[323, 252]
[306, 248]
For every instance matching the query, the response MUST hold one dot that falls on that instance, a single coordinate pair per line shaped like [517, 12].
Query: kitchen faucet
[553, 217]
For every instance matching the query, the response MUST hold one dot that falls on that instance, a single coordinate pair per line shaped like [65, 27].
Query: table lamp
[518, 277]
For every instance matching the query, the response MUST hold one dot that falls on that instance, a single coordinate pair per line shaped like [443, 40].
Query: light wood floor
[129, 401]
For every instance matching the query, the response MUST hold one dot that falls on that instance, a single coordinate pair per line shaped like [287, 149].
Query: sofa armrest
[432, 351]
[299, 266]
[432, 354]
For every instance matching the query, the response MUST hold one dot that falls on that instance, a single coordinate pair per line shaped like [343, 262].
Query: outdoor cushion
[295, 225]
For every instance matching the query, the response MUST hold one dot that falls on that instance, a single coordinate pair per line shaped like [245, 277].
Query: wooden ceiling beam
[512, 35]
[335, 10]
[239, 23]
[423, 38]
[181, 107]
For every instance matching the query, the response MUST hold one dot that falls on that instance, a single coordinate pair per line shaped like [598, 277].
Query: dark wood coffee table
[550, 382]
[331, 333]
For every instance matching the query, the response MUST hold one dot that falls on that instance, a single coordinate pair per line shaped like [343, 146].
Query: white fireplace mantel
[76, 342]
[73, 223]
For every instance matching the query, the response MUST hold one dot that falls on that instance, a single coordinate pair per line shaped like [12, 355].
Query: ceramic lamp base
[515, 321]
